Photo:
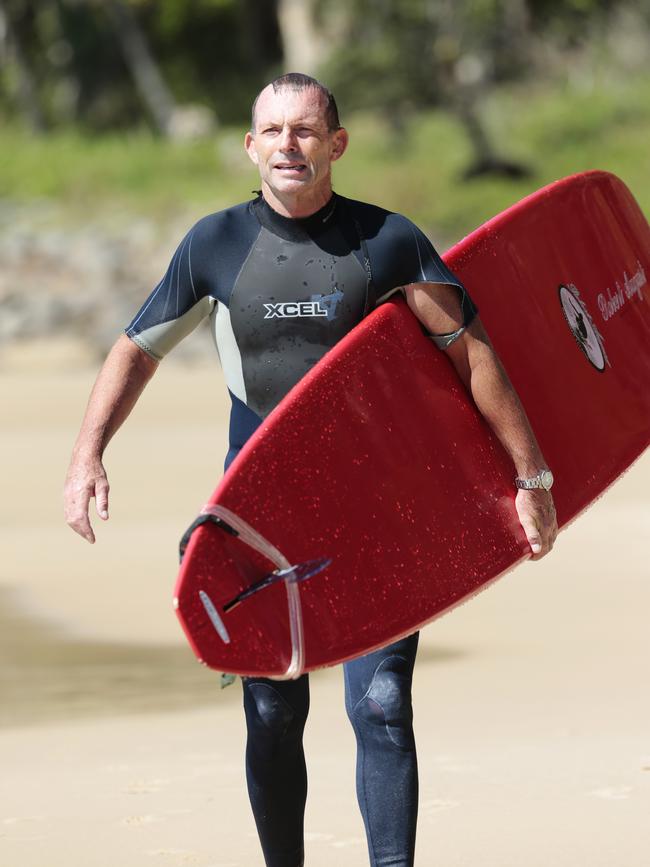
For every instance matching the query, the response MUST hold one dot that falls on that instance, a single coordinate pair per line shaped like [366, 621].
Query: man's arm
[119, 384]
[437, 306]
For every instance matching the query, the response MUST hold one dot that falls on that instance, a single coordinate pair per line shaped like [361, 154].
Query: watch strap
[543, 480]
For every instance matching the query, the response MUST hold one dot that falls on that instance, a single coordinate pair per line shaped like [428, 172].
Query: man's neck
[296, 207]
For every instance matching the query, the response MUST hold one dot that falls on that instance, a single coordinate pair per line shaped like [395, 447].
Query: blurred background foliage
[457, 107]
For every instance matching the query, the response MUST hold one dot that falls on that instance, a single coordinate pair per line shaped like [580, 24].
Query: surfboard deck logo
[582, 326]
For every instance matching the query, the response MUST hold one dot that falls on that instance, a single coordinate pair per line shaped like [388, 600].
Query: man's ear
[251, 150]
[339, 143]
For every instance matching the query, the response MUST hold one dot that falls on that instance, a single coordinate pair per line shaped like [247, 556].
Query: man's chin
[288, 180]
[290, 187]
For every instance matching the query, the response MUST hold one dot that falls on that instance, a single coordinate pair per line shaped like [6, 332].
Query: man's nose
[288, 141]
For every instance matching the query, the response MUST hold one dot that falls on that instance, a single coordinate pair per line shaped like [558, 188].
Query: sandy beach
[532, 705]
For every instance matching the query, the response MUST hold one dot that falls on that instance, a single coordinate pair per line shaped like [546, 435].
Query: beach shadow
[46, 675]
[428, 653]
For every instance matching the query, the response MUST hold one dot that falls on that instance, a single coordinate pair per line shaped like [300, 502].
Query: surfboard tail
[209, 599]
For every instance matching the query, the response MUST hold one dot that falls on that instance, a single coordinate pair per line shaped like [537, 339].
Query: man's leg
[378, 702]
[276, 712]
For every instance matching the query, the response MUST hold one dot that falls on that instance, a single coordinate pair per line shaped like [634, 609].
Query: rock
[80, 283]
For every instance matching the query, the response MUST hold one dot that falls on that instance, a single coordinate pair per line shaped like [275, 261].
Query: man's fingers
[537, 516]
[76, 515]
[84, 528]
[532, 534]
[101, 498]
[82, 486]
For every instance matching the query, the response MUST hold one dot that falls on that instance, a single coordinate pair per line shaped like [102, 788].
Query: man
[282, 278]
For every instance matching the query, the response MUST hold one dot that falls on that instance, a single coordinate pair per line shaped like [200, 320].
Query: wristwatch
[543, 479]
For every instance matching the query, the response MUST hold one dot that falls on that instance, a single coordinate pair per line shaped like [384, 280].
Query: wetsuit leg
[378, 702]
[276, 712]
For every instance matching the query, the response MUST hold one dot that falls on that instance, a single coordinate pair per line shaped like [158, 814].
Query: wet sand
[532, 706]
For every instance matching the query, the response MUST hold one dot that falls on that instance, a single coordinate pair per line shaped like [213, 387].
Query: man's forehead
[290, 103]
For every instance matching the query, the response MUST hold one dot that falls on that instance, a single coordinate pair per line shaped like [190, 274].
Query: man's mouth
[288, 168]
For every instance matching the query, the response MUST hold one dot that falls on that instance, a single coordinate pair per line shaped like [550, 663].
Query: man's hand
[86, 479]
[536, 512]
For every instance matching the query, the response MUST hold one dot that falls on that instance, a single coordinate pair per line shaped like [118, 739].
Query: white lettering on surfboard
[611, 303]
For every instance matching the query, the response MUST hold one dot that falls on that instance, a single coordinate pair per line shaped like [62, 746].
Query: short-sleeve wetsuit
[280, 293]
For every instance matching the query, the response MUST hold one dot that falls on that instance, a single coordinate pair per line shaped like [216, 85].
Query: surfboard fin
[294, 574]
[215, 619]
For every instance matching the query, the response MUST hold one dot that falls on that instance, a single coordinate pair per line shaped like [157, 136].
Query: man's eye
[270, 130]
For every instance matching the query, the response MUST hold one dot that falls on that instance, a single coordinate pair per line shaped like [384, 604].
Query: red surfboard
[375, 497]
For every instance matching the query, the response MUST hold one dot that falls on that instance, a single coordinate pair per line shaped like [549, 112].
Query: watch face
[546, 478]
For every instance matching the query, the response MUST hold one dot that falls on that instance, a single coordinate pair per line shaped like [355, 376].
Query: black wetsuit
[280, 293]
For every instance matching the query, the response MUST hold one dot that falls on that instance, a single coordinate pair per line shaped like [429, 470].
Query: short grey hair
[298, 81]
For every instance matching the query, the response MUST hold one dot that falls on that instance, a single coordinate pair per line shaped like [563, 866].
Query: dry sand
[532, 701]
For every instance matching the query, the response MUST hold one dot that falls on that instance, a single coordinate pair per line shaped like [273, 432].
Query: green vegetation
[555, 130]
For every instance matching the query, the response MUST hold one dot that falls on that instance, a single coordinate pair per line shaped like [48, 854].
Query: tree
[145, 72]
[19, 77]
[303, 45]
[400, 57]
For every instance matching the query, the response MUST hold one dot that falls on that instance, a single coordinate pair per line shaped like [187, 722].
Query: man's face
[292, 145]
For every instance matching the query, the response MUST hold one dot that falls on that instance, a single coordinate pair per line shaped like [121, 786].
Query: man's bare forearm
[485, 378]
[437, 306]
[120, 383]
